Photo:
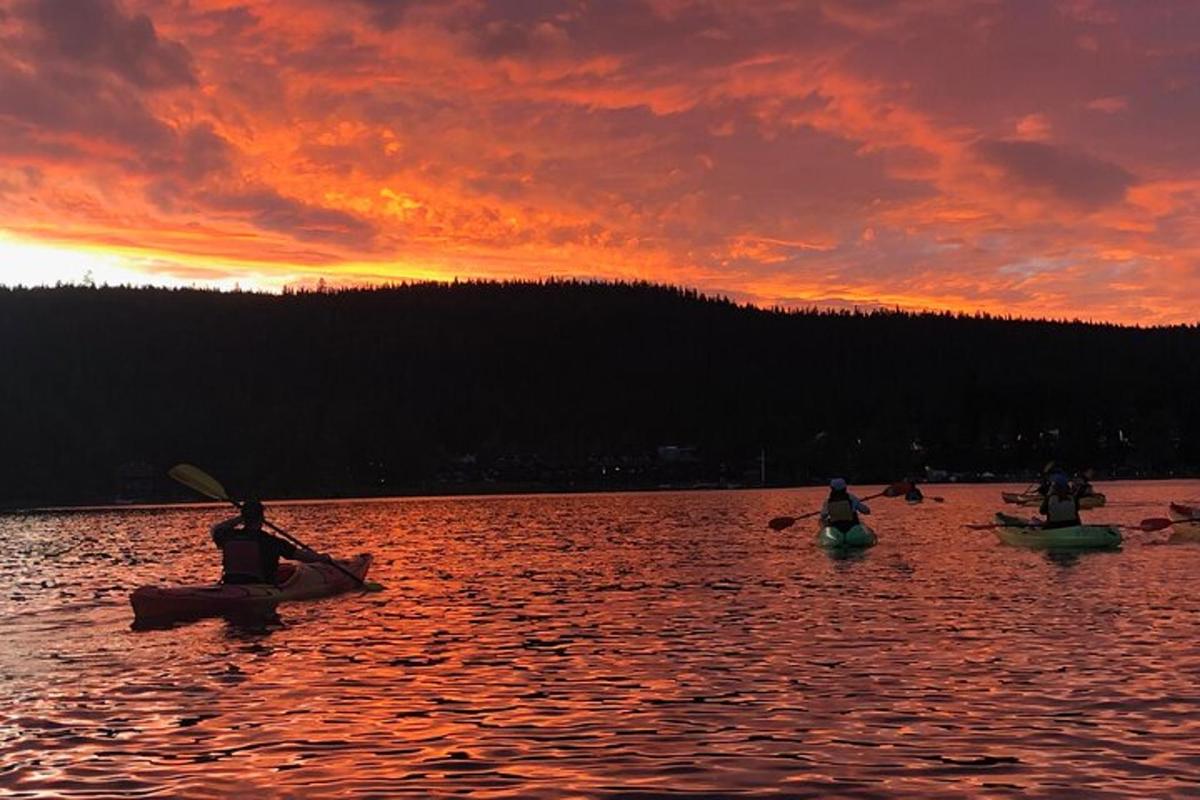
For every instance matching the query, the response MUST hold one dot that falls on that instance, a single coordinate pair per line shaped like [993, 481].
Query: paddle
[1045, 471]
[1017, 523]
[199, 480]
[1152, 524]
[780, 523]
[988, 526]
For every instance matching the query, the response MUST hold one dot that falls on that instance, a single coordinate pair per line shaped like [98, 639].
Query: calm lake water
[631, 646]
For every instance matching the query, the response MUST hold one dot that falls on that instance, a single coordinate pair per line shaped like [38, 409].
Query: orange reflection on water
[605, 645]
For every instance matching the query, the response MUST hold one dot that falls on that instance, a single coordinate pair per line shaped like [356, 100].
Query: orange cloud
[1033, 158]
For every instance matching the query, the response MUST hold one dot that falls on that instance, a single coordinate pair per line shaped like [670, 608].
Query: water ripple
[609, 646]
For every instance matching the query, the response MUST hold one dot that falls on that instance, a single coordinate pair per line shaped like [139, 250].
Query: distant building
[676, 454]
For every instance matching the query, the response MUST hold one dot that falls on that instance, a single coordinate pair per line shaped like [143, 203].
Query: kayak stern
[858, 536]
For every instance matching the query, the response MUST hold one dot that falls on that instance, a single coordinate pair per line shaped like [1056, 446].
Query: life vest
[241, 558]
[840, 510]
[1061, 510]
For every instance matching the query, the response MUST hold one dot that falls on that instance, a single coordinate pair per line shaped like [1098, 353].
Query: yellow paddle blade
[196, 478]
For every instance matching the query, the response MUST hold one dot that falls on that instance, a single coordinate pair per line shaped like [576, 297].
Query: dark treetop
[475, 386]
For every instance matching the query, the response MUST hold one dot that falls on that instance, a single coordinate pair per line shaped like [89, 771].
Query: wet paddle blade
[1155, 524]
[780, 523]
[199, 480]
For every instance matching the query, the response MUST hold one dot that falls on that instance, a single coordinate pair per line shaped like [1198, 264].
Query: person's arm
[1044, 508]
[288, 550]
[825, 512]
[311, 556]
[859, 506]
[221, 530]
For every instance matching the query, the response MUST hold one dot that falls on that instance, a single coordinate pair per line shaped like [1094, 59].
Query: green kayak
[858, 536]
[1019, 532]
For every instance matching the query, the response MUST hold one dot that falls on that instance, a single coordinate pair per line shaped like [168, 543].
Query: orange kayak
[297, 581]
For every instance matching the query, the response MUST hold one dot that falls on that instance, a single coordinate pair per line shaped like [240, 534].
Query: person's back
[841, 509]
[1060, 506]
[249, 554]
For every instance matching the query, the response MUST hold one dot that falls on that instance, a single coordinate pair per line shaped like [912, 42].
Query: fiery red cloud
[1032, 158]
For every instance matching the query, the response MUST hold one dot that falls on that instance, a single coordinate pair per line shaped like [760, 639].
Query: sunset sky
[1039, 158]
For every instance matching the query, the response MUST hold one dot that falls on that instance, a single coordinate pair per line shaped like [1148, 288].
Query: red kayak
[297, 581]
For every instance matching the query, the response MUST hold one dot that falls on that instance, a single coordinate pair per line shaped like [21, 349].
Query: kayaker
[914, 493]
[251, 555]
[1083, 486]
[1060, 507]
[841, 508]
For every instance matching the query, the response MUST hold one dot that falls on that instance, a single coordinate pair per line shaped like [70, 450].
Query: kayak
[1019, 532]
[1188, 531]
[1016, 498]
[297, 581]
[858, 536]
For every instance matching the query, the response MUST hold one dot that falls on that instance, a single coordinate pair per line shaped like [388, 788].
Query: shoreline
[505, 492]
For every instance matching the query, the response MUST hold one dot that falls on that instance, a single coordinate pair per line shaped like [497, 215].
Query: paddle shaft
[299, 543]
[989, 526]
[818, 511]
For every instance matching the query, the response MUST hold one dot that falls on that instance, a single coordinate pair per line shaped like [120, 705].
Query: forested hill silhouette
[435, 387]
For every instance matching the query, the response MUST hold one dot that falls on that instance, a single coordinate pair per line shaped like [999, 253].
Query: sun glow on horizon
[37, 264]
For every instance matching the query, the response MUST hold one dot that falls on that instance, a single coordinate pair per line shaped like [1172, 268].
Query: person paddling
[251, 555]
[1060, 507]
[914, 493]
[1083, 485]
[841, 508]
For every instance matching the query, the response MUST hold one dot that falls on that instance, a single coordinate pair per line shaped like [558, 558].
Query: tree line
[561, 384]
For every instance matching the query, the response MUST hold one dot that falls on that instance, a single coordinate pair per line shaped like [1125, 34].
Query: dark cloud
[269, 210]
[230, 22]
[98, 34]
[203, 151]
[1073, 176]
[75, 117]
[55, 103]
[388, 14]
[193, 154]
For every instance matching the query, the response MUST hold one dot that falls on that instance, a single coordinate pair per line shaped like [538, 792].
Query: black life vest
[1062, 510]
[839, 509]
[242, 558]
